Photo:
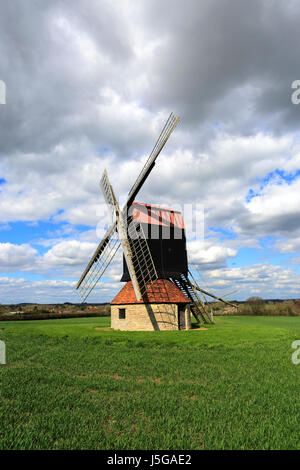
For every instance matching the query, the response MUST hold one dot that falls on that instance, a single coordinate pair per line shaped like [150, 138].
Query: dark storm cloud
[51, 93]
[225, 65]
[282, 225]
[216, 50]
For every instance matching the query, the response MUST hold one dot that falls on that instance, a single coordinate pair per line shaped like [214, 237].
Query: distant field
[76, 384]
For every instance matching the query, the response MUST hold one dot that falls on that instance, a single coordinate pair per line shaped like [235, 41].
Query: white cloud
[69, 253]
[47, 291]
[15, 257]
[277, 201]
[289, 246]
[51, 291]
[207, 254]
[267, 280]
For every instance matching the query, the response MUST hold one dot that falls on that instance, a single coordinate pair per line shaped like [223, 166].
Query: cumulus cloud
[47, 291]
[289, 246]
[50, 291]
[89, 87]
[265, 280]
[275, 210]
[208, 255]
[69, 253]
[15, 257]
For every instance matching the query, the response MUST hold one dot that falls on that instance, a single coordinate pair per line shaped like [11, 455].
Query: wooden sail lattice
[141, 256]
[99, 266]
[108, 194]
[107, 249]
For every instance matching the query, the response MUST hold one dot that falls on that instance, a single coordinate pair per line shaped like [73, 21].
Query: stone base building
[165, 308]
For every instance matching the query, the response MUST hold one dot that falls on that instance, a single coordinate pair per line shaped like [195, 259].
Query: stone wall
[148, 317]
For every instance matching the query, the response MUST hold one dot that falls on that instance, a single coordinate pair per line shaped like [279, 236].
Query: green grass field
[69, 384]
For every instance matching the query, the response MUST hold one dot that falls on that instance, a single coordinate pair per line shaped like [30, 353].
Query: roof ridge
[168, 292]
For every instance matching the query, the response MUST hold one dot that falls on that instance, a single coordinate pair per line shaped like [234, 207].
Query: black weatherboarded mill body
[165, 233]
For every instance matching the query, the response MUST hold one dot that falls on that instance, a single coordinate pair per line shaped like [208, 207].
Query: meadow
[77, 384]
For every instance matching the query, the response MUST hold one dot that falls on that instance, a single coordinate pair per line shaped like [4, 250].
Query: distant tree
[256, 305]
[297, 307]
[255, 299]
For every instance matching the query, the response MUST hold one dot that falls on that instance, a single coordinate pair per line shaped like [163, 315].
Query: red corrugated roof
[150, 214]
[160, 291]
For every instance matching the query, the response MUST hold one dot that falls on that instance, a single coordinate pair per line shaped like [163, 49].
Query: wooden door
[181, 317]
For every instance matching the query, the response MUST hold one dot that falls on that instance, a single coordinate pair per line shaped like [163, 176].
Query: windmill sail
[135, 247]
[162, 139]
[108, 194]
[109, 245]
[98, 263]
[106, 249]
[141, 257]
[122, 232]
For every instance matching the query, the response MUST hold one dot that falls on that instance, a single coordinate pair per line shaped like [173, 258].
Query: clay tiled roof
[156, 215]
[160, 291]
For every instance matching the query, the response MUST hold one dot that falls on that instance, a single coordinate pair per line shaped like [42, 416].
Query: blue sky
[90, 86]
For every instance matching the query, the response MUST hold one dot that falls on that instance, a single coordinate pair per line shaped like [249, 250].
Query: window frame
[122, 313]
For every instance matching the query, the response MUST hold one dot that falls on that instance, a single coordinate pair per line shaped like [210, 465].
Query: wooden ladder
[198, 309]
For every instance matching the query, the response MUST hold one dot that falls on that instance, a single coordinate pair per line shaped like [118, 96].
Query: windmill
[160, 290]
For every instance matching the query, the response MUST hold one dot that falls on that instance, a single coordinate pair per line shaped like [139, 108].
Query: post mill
[160, 291]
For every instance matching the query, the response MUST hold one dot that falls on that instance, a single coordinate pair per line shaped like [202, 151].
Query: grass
[76, 384]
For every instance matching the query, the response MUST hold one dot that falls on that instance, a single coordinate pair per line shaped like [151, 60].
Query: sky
[89, 86]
